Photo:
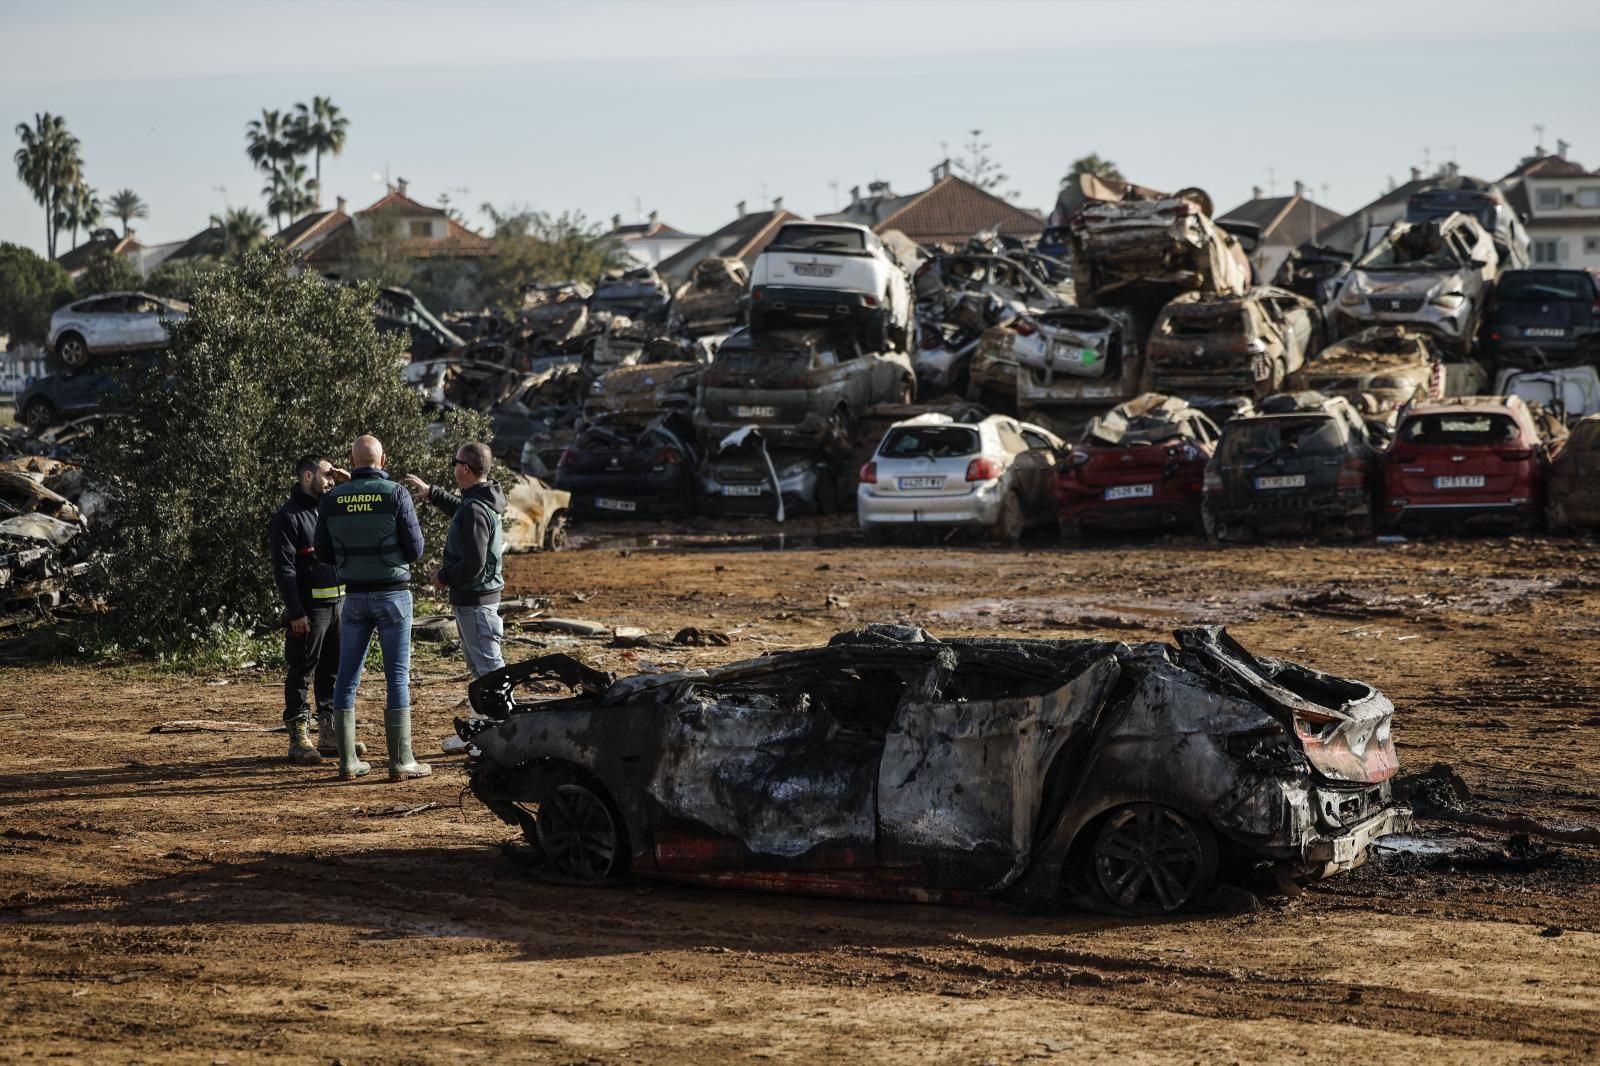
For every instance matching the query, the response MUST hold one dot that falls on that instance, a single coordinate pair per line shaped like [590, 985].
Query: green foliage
[126, 205]
[108, 273]
[267, 367]
[49, 164]
[31, 287]
[534, 246]
[179, 280]
[1093, 164]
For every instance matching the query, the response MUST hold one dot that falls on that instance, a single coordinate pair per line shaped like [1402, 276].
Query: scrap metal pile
[45, 512]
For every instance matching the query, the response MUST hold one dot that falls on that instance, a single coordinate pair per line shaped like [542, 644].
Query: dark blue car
[1542, 317]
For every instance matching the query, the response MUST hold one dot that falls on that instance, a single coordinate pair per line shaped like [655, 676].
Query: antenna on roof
[1538, 139]
[1272, 181]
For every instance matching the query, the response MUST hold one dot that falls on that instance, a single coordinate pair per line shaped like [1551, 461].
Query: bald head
[366, 451]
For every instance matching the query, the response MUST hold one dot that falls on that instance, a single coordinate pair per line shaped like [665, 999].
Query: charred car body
[889, 764]
[1221, 344]
[1140, 465]
[1125, 250]
[715, 298]
[631, 466]
[1305, 465]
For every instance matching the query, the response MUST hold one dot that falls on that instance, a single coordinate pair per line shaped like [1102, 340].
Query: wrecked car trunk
[743, 477]
[713, 299]
[554, 313]
[640, 294]
[890, 764]
[1072, 363]
[1165, 246]
[631, 466]
[1246, 345]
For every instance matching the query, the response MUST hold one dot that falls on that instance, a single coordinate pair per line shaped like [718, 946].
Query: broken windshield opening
[1462, 428]
[937, 442]
[820, 239]
[1421, 248]
[1263, 438]
[1205, 324]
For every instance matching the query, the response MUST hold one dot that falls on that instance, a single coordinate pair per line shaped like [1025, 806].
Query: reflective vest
[360, 518]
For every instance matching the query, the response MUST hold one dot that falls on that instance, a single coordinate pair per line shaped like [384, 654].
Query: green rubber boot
[350, 764]
[327, 742]
[302, 752]
[397, 730]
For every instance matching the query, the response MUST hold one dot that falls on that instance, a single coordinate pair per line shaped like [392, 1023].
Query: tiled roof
[307, 229]
[636, 230]
[954, 209]
[459, 243]
[1286, 220]
[207, 242]
[1547, 166]
[395, 200]
[78, 258]
[743, 238]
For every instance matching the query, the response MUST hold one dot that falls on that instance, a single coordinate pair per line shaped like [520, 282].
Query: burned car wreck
[890, 764]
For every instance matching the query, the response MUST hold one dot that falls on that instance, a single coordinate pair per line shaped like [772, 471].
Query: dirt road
[191, 898]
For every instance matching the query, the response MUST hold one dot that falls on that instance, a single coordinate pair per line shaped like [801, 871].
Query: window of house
[1549, 199]
[1546, 251]
[1591, 246]
[1589, 198]
[422, 229]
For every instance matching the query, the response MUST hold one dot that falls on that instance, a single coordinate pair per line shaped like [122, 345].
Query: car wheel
[73, 351]
[39, 414]
[1008, 527]
[836, 437]
[581, 834]
[1149, 859]
[555, 534]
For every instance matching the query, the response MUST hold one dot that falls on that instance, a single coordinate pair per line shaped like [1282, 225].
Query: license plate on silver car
[1283, 481]
[616, 505]
[755, 412]
[1123, 492]
[1463, 481]
[814, 270]
[741, 490]
[922, 482]
[1544, 331]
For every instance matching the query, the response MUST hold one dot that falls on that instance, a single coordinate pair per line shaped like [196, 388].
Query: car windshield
[1533, 286]
[1206, 323]
[1263, 438]
[820, 239]
[1417, 248]
[623, 290]
[938, 442]
[1459, 427]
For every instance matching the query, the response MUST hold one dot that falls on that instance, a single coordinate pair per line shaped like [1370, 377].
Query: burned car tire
[581, 833]
[555, 534]
[1148, 859]
[73, 351]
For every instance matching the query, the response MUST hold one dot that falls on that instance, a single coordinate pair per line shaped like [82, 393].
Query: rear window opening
[934, 442]
[1205, 325]
[820, 239]
[1532, 286]
[1255, 439]
[1460, 429]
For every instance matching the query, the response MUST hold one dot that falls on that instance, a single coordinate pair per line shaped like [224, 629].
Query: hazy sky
[689, 107]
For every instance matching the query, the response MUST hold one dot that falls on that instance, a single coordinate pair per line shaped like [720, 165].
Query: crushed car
[554, 312]
[638, 294]
[931, 472]
[1542, 318]
[536, 515]
[891, 764]
[1382, 368]
[631, 466]
[1062, 366]
[1573, 500]
[1313, 270]
[663, 377]
[741, 476]
[1127, 249]
[714, 298]
[1139, 466]
[1432, 276]
[1245, 344]
[1568, 392]
[1305, 464]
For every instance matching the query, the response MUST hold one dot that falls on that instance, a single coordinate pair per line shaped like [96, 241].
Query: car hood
[1407, 283]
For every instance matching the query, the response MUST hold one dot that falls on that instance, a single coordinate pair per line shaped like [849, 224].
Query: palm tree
[80, 209]
[127, 206]
[269, 142]
[1093, 164]
[319, 128]
[287, 194]
[241, 230]
[48, 164]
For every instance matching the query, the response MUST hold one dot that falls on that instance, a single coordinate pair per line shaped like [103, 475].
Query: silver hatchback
[111, 322]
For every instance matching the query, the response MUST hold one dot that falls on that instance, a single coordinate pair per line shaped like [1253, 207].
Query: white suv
[824, 272]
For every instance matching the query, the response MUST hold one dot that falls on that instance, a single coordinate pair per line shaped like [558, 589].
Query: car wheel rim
[557, 536]
[72, 353]
[577, 833]
[1149, 859]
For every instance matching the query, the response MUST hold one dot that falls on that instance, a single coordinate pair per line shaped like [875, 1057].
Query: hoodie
[472, 548]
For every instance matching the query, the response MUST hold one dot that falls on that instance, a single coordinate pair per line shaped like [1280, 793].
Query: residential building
[944, 215]
[651, 241]
[77, 260]
[743, 238]
[1350, 232]
[1560, 204]
[1286, 222]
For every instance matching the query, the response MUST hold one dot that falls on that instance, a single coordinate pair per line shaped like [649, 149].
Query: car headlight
[1352, 296]
[793, 469]
[1450, 301]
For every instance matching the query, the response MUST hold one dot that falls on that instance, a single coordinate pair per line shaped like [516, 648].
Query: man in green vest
[471, 569]
[369, 532]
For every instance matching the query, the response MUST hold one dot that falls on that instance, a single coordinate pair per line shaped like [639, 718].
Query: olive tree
[200, 446]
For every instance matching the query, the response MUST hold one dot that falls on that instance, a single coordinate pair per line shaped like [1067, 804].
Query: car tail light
[1494, 336]
[869, 474]
[1353, 474]
[870, 301]
[1212, 481]
[567, 458]
[755, 295]
[1025, 327]
[667, 456]
[1514, 455]
[983, 470]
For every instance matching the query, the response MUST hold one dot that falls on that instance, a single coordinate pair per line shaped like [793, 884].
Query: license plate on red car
[1462, 481]
[1124, 492]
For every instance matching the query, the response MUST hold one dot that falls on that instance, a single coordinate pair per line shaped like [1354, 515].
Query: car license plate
[814, 270]
[922, 482]
[616, 505]
[1285, 481]
[1466, 481]
[1123, 492]
[741, 490]
[755, 412]
[1544, 331]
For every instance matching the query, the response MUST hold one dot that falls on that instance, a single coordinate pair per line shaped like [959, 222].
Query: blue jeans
[389, 613]
[481, 630]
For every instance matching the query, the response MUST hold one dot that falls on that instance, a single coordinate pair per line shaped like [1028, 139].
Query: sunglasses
[463, 462]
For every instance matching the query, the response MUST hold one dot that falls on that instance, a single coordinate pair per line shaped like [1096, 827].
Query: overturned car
[1129, 248]
[890, 764]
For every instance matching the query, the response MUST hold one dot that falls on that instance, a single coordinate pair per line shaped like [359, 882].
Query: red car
[1464, 461]
[1140, 465]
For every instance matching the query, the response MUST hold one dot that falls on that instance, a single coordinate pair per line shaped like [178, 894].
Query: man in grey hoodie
[471, 568]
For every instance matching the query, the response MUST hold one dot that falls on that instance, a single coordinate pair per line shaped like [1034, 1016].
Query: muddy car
[1124, 250]
[944, 278]
[1464, 461]
[1222, 345]
[1392, 365]
[1139, 466]
[1071, 363]
[1306, 464]
[660, 380]
[1313, 271]
[631, 466]
[638, 294]
[742, 477]
[1574, 482]
[803, 388]
[556, 311]
[715, 298]
[1569, 392]
[1544, 317]
[1432, 276]
[890, 764]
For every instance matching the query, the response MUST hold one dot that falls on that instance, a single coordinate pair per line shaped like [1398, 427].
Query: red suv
[1465, 460]
[1140, 465]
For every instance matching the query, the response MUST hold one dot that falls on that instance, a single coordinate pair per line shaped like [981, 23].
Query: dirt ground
[175, 898]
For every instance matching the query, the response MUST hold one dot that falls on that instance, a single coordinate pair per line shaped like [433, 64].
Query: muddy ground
[192, 898]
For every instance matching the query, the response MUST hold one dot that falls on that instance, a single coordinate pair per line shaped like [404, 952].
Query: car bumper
[1132, 514]
[1330, 855]
[813, 305]
[1451, 325]
[978, 508]
[1539, 352]
[649, 499]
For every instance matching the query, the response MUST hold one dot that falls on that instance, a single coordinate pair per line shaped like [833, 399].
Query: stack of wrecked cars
[889, 764]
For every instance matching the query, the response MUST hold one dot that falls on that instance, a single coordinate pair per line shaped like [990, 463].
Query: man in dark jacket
[369, 533]
[311, 599]
[471, 568]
